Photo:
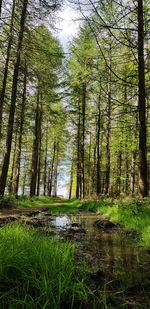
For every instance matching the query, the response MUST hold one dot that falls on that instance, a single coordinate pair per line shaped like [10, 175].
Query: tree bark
[4, 82]
[89, 169]
[119, 163]
[13, 102]
[56, 170]
[132, 179]
[39, 160]
[45, 161]
[52, 170]
[16, 170]
[35, 151]
[78, 187]
[71, 181]
[83, 140]
[10, 186]
[98, 145]
[107, 185]
[143, 183]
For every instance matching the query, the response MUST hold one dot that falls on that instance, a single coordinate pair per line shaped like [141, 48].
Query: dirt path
[5, 212]
[19, 211]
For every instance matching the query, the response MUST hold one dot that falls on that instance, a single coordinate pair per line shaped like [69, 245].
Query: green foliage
[8, 201]
[38, 272]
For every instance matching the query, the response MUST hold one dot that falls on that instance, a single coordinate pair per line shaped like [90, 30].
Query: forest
[74, 159]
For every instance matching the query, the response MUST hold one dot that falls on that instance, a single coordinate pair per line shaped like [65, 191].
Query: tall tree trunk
[39, 148]
[13, 102]
[56, 170]
[4, 82]
[16, 171]
[45, 161]
[119, 163]
[35, 151]
[143, 183]
[24, 182]
[10, 186]
[94, 170]
[52, 170]
[83, 140]
[127, 175]
[98, 145]
[132, 179]
[89, 169]
[71, 181]
[78, 187]
[107, 185]
[39, 162]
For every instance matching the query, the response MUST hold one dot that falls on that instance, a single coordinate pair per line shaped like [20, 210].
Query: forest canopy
[88, 110]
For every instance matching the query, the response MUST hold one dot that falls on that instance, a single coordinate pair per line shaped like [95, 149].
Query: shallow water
[111, 251]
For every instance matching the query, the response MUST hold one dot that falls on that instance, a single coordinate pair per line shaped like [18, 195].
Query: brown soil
[10, 212]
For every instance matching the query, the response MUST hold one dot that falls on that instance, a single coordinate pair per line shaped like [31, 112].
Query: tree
[5, 167]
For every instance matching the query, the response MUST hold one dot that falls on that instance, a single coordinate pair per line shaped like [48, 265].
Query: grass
[38, 272]
[134, 215]
[54, 205]
[27, 202]
[66, 207]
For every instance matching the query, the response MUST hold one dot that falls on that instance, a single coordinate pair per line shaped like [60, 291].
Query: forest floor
[108, 235]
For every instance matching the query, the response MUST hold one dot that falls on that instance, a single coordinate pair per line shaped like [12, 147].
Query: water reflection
[114, 252]
[61, 222]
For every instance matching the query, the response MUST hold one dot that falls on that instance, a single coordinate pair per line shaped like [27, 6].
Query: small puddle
[109, 250]
[61, 222]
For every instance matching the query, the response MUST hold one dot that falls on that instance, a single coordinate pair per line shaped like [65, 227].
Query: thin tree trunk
[24, 183]
[107, 185]
[89, 169]
[94, 171]
[16, 171]
[119, 163]
[132, 179]
[39, 148]
[10, 186]
[35, 151]
[83, 141]
[78, 187]
[127, 174]
[13, 102]
[4, 82]
[56, 170]
[39, 161]
[45, 161]
[98, 146]
[71, 181]
[52, 170]
[143, 183]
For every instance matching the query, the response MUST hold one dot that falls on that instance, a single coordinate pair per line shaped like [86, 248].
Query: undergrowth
[38, 272]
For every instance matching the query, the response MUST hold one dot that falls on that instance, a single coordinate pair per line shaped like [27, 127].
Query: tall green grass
[38, 272]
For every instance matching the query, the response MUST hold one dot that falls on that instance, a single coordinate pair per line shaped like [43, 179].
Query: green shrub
[8, 201]
[23, 197]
